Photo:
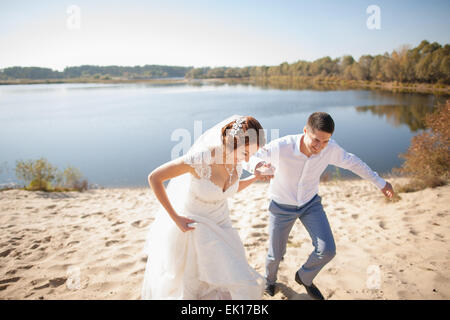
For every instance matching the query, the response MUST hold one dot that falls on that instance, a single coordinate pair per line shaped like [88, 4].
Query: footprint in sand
[401, 256]
[36, 255]
[42, 287]
[382, 225]
[261, 225]
[26, 267]
[111, 242]
[439, 236]
[435, 224]
[9, 280]
[12, 242]
[333, 271]
[54, 283]
[5, 253]
[117, 223]
[255, 234]
[139, 224]
[138, 272]
[66, 235]
[11, 272]
[3, 282]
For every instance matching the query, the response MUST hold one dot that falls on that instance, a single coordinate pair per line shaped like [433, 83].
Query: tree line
[96, 72]
[426, 63]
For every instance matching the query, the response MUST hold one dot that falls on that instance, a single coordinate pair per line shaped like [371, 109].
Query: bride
[193, 250]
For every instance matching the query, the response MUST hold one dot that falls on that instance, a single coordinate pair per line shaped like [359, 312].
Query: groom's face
[315, 141]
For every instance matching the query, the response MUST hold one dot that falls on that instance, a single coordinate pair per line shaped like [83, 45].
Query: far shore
[281, 82]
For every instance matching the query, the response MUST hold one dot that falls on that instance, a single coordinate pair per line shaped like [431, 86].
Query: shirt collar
[297, 145]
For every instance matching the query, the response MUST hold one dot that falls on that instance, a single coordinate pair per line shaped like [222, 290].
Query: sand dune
[89, 245]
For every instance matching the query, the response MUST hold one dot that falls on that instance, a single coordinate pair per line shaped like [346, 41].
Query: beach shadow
[291, 294]
[53, 195]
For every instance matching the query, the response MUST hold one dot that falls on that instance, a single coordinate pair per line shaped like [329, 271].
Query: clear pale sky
[210, 33]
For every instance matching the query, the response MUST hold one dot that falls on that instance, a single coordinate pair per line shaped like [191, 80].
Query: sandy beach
[89, 245]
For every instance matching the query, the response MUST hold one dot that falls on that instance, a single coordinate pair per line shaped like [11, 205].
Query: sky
[202, 33]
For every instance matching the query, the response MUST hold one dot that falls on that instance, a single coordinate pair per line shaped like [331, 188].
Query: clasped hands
[264, 171]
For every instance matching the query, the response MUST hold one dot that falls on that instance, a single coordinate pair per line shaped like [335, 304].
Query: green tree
[72, 179]
[364, 63]
[344, 62]
[37, 174]
[376, 68]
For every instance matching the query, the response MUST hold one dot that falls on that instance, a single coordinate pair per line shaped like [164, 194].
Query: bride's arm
[244, 183]
[165, 172]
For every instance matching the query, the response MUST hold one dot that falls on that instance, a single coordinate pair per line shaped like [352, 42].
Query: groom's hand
[388, 191]
[264, 171]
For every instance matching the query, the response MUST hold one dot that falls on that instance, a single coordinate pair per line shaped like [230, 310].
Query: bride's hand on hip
[182, 223]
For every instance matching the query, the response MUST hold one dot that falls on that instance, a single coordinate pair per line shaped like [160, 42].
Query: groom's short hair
[321, 121]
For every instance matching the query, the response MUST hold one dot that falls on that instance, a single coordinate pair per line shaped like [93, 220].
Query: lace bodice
[202, 188]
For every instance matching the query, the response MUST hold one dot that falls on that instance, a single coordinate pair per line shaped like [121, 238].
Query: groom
[299, 160]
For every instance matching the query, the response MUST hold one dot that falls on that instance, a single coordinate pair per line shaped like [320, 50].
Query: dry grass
[427, 160]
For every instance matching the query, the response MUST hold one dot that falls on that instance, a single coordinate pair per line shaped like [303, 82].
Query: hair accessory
[237, 125]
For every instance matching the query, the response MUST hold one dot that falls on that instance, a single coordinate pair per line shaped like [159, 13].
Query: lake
[116, 134]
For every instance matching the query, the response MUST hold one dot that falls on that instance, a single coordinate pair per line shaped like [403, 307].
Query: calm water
[117, 134]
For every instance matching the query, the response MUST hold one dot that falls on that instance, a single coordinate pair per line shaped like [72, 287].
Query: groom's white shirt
[297, 177]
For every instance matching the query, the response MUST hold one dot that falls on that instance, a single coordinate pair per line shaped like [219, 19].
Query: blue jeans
[313, 217]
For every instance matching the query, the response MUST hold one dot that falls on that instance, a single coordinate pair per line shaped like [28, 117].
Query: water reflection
[131, 125]
[411, 115]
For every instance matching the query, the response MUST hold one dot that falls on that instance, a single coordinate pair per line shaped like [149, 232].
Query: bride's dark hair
[251, 131]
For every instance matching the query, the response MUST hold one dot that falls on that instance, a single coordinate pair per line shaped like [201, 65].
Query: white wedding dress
[206, 263]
